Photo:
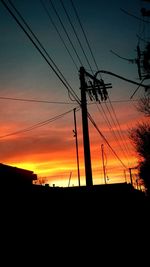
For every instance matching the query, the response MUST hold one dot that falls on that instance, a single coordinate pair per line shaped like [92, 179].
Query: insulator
[95, 94]
[105, 94]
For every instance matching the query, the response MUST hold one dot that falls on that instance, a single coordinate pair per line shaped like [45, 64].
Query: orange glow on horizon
[56, 171]
[50, 151]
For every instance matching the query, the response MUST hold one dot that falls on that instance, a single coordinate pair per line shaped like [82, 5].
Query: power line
[59, 75]
[137, 88]
[120, 132]
[75, 32]
[38, 125]
[85, 36]
[124, 58]
[62, 24]
[111, 128]
[61, 102]
[58, 32]
[118, 127]
[109, 124]
[35, 100]
[104, 138]
[128, 13]
[118, 101]
[118, 140]
[29, 28]
[107, 120]
[104, 115]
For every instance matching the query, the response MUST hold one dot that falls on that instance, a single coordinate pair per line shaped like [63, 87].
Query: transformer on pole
[97, 91]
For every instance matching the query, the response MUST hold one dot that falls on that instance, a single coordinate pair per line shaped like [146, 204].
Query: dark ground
[74, 222]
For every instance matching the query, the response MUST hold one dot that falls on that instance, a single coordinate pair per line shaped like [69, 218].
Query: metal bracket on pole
[97, 91]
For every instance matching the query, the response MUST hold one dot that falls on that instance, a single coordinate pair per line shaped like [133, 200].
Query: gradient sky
[50, 150]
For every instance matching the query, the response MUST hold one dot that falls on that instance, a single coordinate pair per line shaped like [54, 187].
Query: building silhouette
[13, 176]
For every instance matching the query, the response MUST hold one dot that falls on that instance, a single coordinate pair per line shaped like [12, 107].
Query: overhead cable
[84, 33]
[38, 125]
[104, 138]
[58, 32]
[36, 101]
[61, 102]
[76, 34]
[59, 75]
[85, 36]
[62, 24]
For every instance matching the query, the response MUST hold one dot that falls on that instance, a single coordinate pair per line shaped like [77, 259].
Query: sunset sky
[50, 150]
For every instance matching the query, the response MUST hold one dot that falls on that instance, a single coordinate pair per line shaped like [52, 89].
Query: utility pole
[131, 180]
[125, 176]
[104, 169]
[97, 91]
[76, 137]
[86, 141]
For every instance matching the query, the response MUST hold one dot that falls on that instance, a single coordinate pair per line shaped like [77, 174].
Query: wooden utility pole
[125, 176]
[131, 180]
[86, 141]
[97, 91]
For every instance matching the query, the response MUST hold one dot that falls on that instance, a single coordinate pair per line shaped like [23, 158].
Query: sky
[50, 150]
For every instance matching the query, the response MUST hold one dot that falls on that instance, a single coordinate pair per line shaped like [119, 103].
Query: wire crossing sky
[64, 35]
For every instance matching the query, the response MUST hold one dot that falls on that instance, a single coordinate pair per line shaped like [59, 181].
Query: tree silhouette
[144, 172]
[146, 60]
[144, 105]
[140, 137]
[41, 181]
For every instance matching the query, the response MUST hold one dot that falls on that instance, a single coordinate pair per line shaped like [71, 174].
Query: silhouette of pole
[125, 176]
[69, 179]
[76, 137]
[130, 176]
[86, 141]
[104, 170]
